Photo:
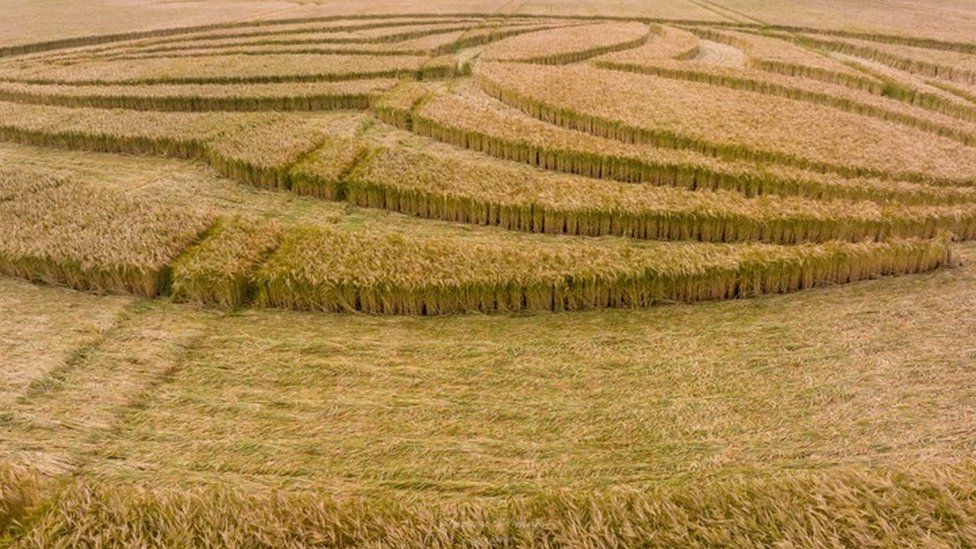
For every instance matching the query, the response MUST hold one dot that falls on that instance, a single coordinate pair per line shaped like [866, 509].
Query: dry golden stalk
[430, 38]
[297, 29]
[263, 154]
[467, 189]
[470, 119]
[16, 184]
[779, 56]
[434, 43]
[945, 65]
[848, 506]
[180, 135]
[666, 43]
[568, 45]
[379, 272]
[313, 96]
[222, 69]
[89, 238]
[832, 95]
[648, 109]
[295, 49]
[218, 270]
[98, 43]
[323, 172]
[20, 493]
[254, 148]
[395, 106]
[200, 41]
[406, 41]
[914, 90]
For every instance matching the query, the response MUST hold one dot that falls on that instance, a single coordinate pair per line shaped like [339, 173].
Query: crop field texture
[289, 278]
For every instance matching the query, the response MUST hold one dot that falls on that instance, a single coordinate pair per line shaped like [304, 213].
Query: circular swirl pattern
[712, 161]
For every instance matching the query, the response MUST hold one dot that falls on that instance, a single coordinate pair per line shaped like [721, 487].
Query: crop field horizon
[487, 273]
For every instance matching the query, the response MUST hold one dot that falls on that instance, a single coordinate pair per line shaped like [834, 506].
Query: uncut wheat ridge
[488, 273]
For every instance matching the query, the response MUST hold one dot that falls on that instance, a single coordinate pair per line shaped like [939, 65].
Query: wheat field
[480, 273]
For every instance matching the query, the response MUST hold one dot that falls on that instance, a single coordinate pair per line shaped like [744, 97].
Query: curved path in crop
[540, 163]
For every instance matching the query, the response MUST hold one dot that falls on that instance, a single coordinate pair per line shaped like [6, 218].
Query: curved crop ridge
[652, 162]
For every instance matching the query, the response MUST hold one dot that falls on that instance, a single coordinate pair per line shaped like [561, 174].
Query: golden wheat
[218, 270]
[486, 35]
[19, 495]
[913, 89]
[470, 119]
[661, 111]
[395, 106]
[178, 42]
[946, 65]
[254, 148]
[283, 29]
[779, 56]
[90, 238]
[851, 507]
[666, 43]
[323, 172]
[297, 49]
[387, 37]
[263, 153]
[336, 33]
[225, 69]
[836, 96]
[568, 45]
[380, 272]
[16, 184]
[352, 94]
[180, 135]
[462, 188]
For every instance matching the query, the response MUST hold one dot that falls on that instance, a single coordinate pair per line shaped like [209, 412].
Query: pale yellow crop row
[947, 65]
[727, 123]
[395, 106]
[16, 184]
[261, 148]
[391, 272]
[832, 95]
[486, 35]
[222, 69]
[257, 148]
[323, 172]
[569, 44]
[311, 96]
[94, 239]
[665, 43]
[432, 44]
[784, 57]
[470, 119]
[385, 36]
[180, 135]
[263, 153]
[91, 238]
[440, 42]
[467, 189]
[299, 49]
[435, 38]
[967, 92]
[82, 51]
[857, 72]
[218, 270]
[913, 89]
[391, 25]
[848, 505]
[332, 269]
